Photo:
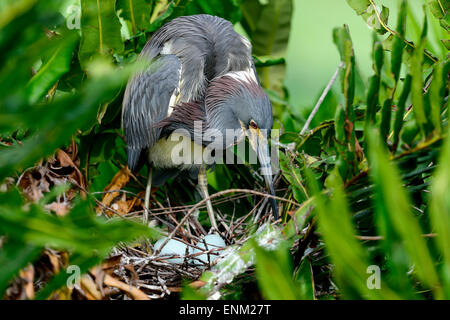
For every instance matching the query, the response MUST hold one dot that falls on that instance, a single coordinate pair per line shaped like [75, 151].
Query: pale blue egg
[213, 241]
[172, 247]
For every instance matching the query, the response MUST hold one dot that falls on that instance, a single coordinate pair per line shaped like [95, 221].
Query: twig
[133, 291]
[176, 209]
[218, 194]
[245, 217]
[322, 97]
[260, 210]
[378, 238]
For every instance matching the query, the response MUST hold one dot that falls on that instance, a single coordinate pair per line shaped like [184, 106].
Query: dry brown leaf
[60, 208]
[119, 181]
[99, 279]
[110, 281]
[111, 263]
[72, 151]
[27, 276]
[359, 150]
[7, 183]
[197, 284]
[63, 165]
[33, 183]
[122, 206]
[54, 261]
[57, 170]
[134, 292]
[90, 288]
[137, 200]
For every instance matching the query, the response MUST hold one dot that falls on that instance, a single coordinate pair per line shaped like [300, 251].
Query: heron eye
[253, 124]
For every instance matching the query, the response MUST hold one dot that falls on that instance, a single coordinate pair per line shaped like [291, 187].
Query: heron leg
[148, 191]
[203, 183]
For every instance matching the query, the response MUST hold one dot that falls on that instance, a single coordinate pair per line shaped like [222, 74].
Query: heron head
[245, 105]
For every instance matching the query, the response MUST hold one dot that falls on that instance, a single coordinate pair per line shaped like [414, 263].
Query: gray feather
[207, 47]
[146, 102]
[204, 47]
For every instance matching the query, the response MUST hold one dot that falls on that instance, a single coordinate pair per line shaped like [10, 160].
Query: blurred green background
[311, 55]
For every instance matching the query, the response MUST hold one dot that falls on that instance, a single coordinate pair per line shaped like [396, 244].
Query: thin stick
[378, 238]
[203, 183]
[148, 191]
[322, 97]
[218, 194]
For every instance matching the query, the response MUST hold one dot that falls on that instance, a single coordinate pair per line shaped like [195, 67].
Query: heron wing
[146, 102]
[207, 46]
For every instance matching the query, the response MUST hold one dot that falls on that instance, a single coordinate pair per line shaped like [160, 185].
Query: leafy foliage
[388, 193]
[366, 188]
[100, 29]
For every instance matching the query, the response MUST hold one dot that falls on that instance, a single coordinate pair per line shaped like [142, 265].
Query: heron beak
[260, 145]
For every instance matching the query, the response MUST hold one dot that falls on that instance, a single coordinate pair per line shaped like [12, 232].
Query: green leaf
[23, 43]
[378, 56]
[52, 69]
[340, 124]
[14, 255]
[159, 16]
[360, 6]
[401, 106]
[367, 10]
[439, 8]
[190, 293]
[48, 136]
[343, 41]
[268, 61]
[268, 27]
[10, 11]
[100, 30]
[417, 83]
[79, 230]
[386, 114]
[299, 222]
[87, 237]
[292, 174]
[440, 212]
[393, 203]
[220, 178]
[136, 13]
[349, 259]
[398, 45]
[446, 43]
[379, 22]
[437, 92]
[372, 99]
[305, 280]
[274, 274]
[227, 9]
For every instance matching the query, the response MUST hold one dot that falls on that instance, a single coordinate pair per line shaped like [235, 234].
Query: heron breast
[178, 151]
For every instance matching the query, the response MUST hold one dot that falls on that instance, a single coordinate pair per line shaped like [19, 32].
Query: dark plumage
[200, 70]
[146, 101]
[222, 106]
[202, 47]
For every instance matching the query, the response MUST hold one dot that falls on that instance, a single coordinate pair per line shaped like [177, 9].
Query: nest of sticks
[137, 270]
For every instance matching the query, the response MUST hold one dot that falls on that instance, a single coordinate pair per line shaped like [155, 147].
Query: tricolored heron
[201, 71]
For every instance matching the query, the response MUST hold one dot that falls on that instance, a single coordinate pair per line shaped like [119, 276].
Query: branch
[322, 97]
